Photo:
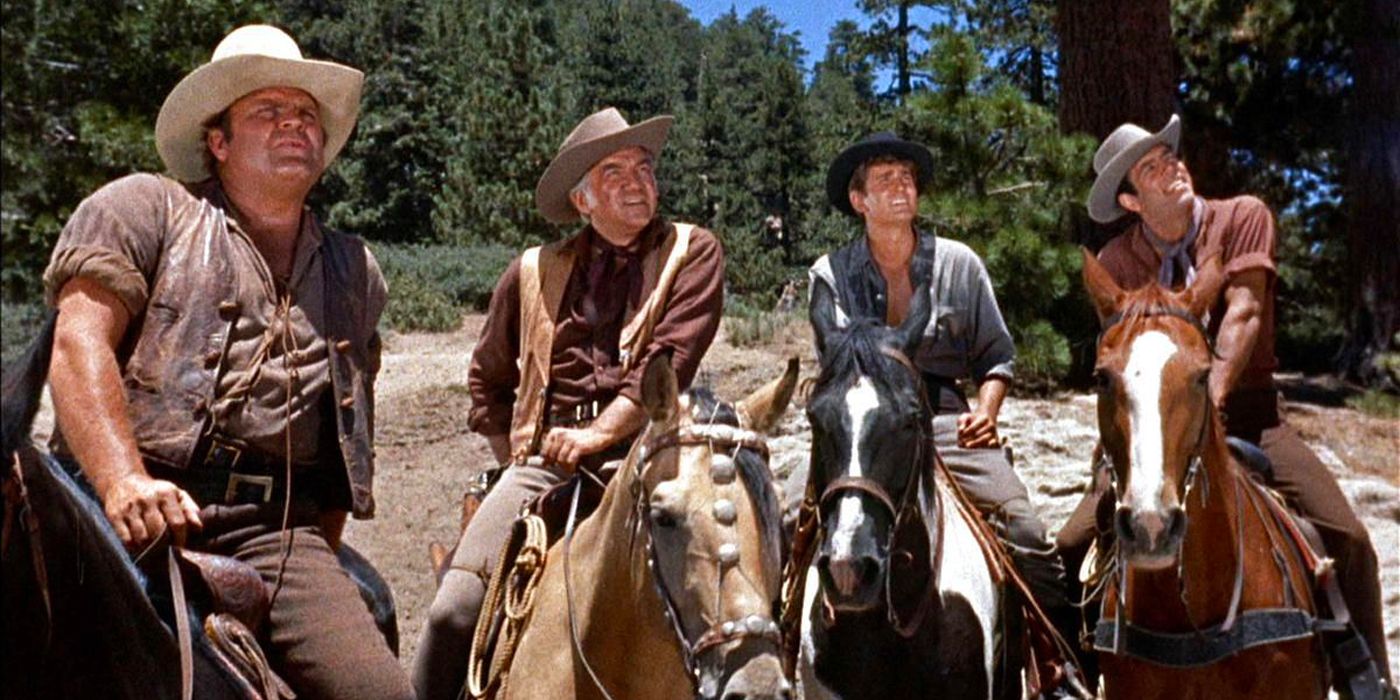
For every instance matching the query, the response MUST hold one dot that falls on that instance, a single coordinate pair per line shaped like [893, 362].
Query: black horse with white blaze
[900, 601]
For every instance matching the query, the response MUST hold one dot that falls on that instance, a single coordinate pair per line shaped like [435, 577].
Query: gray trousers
[988, 479]
[440, 668]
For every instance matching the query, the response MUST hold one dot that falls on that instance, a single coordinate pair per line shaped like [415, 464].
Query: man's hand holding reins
[142, 509]
[619, 421]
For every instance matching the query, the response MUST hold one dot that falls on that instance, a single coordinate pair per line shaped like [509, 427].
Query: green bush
[22, 321]
[431, 286]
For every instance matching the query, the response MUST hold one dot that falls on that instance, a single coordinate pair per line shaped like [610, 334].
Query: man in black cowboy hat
[556, 377]
[879, 180]
[216, 349]
[1172, 231]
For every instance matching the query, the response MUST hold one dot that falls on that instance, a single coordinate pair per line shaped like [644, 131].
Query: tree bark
[1117, 64]
[1371, 353]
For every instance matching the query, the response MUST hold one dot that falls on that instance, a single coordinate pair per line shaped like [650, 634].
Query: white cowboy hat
[1116, 156]
[249, 59]
[596, 137]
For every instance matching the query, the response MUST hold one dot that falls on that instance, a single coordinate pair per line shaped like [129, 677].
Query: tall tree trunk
[1371, 353]
[903, 39]
[1116, 64]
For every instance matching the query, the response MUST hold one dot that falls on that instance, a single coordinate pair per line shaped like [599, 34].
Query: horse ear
[821, 311]
[1201, 295]
[659, 389]
[912, 330]
[1105, 293]
[762, 409]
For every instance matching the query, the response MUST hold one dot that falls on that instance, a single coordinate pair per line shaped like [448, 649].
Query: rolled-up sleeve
[692, 315]
[992, 353]
[114, 239]
[1252, 242]
[494, 375]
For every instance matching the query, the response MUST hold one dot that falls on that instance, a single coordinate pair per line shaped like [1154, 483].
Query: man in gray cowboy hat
[216, 349]
[1172, 232]
[556, 377]
[879, 180]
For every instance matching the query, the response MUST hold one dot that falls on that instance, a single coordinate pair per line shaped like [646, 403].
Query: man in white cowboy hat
[879, 180]
[1172, 232]
[556, 377]
[215, 355]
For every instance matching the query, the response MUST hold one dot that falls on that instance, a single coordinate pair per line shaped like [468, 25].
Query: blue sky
[812, 19]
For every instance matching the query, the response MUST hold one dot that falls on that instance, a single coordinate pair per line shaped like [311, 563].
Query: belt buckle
[222, 455]
[264, 481]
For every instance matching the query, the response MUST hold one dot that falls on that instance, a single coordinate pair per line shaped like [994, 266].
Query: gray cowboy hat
[596, 137]
[838, 176]
[1116, 156]
[249, 59]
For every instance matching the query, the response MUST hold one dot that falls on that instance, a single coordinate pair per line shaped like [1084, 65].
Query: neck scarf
[1177, 264]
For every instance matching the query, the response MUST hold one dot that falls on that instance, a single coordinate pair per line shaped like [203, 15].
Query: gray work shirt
[966, 336]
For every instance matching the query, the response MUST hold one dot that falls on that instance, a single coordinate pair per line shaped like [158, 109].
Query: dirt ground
[425, 455]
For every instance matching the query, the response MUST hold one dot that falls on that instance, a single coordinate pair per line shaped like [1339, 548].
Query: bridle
[720, 439]
[907, 507]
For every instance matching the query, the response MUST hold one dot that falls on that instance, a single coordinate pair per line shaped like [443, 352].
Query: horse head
[1155, 410]
[709, 513]
[870, 440]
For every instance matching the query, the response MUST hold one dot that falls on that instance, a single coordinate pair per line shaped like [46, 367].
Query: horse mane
[753, 471]
[859, 350]
[22, 385]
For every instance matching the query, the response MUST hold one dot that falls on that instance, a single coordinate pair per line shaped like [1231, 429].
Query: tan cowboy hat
[249, 59]
[599, 135]
[1116, 156]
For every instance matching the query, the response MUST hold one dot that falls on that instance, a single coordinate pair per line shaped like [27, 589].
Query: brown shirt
[117, 238]
[1242, 232]
[604, 288]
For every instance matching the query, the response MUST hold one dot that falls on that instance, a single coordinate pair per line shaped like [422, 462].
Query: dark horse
[901, 601]
[79, 618]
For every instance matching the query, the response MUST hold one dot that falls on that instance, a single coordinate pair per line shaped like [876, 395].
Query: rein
[719, 438]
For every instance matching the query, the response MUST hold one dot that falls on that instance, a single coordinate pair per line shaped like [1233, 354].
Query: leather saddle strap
[182, 622]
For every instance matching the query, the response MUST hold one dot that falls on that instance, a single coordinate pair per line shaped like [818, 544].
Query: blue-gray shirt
[966, 337]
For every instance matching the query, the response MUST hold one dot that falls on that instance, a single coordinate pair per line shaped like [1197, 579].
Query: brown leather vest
[544, 273]
[173, 354]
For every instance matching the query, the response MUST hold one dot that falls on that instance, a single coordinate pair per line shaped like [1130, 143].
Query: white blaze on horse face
[1142, 381]
[862, 401]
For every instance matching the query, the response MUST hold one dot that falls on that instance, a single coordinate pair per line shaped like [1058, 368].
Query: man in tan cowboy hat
[1172, 232]
[215, 355]
[556, 377]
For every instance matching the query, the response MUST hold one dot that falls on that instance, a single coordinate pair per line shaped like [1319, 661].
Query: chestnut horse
[1206, 596]
[900, 601]
[668, 590]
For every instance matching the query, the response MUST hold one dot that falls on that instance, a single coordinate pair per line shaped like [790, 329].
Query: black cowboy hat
[838, 176]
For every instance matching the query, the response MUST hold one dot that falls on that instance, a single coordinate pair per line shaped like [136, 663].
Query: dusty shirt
[604, 289]
[116, 238]
[966, 336]
[1241, 231]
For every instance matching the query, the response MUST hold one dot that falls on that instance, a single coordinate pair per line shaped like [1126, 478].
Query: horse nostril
[869, 571]
[1176, 522]
[1123, 523]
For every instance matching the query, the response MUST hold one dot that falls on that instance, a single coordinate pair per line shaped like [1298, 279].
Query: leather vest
[174, 353]
[544, 274]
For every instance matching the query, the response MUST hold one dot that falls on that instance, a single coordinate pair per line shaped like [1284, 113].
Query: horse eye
[662, 518]
[1104, 379]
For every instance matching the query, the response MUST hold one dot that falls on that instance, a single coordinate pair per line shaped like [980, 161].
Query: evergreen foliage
[466, 101]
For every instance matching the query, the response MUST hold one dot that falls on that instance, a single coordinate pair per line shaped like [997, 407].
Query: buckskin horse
[901, 601]
[1206, 595]
[80, 620]
[668, 589]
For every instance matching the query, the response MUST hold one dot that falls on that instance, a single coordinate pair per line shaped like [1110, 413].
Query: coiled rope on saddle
[512, 588]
